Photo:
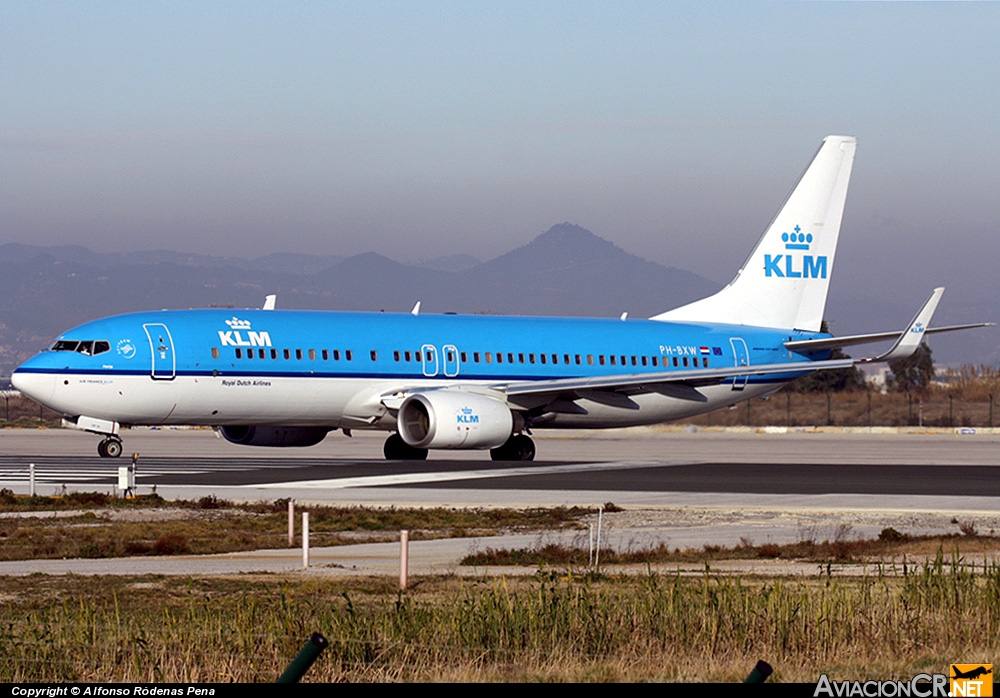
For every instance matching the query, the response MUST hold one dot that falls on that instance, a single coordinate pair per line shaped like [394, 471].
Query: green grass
[645, 627]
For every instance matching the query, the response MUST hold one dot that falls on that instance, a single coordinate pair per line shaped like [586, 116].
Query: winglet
[416, 309]
[911, 337]
[269, 302]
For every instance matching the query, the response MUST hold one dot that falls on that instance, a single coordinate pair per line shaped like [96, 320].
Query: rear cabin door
[741, 358]
[161, 344]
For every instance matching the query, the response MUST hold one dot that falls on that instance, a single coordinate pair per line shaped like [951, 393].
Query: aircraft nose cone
[37, 386]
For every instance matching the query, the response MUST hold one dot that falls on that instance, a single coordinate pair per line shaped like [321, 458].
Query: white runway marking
[415, 478]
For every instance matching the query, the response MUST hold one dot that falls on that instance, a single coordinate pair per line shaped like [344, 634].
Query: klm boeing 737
[287, 378]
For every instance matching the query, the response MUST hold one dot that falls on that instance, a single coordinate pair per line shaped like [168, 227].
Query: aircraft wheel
[397, 449]
[518, 447]
[109, 448]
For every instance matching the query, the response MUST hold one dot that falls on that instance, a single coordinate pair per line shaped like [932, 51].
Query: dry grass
[213, 526]
[890, 545]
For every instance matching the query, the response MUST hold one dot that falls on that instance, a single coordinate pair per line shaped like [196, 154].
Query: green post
[305, 658]
[759, 673]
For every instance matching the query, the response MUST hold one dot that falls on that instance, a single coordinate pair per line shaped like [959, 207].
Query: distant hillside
[565, 271]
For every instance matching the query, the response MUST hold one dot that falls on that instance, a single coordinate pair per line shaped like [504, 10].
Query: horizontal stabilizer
[805, 346]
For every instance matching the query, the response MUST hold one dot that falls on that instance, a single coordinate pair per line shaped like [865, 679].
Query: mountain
[565, 271]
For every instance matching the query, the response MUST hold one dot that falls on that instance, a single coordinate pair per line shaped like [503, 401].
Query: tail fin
[785, 279]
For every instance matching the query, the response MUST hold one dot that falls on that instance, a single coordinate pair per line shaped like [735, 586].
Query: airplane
[280, 378]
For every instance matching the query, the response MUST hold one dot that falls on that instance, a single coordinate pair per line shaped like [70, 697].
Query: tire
[518, 447]
[112, 448]
[397, 449]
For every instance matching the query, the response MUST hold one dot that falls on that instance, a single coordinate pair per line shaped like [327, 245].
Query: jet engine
[274, 436]
[454, 419]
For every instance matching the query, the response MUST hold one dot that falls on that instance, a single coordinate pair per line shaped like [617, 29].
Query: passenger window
[336, 354]
[653, 359]
[600, 359]
[555, 358]
[395, 355]
[531, 358]
[475, 357]
[644, 361]
[612, 359]
[685, 362]
[520, 358]
[312, 354]
[634, 362]
[499, 357]
[239, 353]
[704, 362]
[510, 357]
[407, 356]
[288, 354]
[590, 359]
[348, 355]
[465, 357]
[326, 355]
[542, 357]
[274, 353]
[489, 357]
[215, 352]
[451, 356]
[374, 355]
[249, 353]
[578, 362]
[675, 362]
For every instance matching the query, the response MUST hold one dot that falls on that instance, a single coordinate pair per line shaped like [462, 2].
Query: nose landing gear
[111, 447]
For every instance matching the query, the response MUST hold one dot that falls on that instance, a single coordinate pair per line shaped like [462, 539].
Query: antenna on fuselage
[416, 309]
[269, 302]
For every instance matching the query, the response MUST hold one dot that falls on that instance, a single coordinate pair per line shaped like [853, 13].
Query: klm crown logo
[467, 416]
[238, 324]
[795, 266]
[797, 240]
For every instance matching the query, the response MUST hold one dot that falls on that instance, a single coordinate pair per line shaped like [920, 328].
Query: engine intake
[266, 435]
[454, 419]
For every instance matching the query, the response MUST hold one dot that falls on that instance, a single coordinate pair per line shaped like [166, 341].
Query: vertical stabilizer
[785, 279]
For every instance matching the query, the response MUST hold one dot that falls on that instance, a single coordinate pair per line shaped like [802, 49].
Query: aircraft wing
[614, 390]
[679, 384]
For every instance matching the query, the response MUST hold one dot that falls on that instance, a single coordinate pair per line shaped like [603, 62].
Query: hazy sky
[423, 129]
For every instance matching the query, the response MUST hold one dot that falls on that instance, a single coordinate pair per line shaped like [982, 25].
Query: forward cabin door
[161, 344]
[741, 358]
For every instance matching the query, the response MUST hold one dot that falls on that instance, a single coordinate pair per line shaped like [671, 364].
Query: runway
[651, 466]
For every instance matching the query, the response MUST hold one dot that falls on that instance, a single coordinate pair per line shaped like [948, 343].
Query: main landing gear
[111, 447]
[517, 447]
[397, 449]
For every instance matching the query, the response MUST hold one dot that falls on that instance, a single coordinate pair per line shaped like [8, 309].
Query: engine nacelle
[454, 419]
[274, 436]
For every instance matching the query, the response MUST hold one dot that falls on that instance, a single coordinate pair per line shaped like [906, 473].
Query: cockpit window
[87, 348]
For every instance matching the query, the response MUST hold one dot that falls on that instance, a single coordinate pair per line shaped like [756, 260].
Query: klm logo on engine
[234, 337]
[467, 417]
[795, 266]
